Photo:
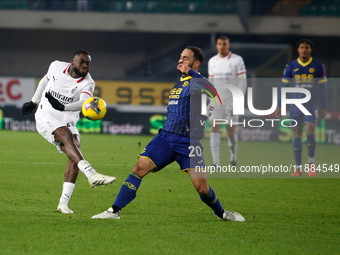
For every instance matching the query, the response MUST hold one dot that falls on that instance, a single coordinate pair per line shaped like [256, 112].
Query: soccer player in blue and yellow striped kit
[177, 141]
[308, 73]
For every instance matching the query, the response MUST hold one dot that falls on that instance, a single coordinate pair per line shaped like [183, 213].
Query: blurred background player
[308, 73]
[179, 141]
[225, 68]
[60, 95]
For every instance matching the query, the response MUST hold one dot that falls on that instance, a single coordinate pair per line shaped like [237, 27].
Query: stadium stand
[187, 6]
[259, 7]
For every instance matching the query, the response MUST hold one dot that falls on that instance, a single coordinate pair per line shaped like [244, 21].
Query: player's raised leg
[128, 190]
[208, 196]
[70, 145]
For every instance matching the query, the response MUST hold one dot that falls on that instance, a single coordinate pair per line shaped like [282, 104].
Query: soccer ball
[94, 108]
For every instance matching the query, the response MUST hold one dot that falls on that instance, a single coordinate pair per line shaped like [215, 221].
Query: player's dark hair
[198, 53]
[223, 37]
[309, 42]
[81, 52]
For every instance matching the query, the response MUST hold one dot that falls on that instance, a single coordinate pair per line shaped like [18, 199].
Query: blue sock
[127, 192]
[297, 148]
[311, 145]
[213, 202]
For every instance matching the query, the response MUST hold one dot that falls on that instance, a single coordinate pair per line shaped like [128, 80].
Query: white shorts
[48, 122]
[225, 113]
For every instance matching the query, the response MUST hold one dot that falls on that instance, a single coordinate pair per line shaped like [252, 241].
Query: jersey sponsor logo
[223, 75]
[173, 102]
[174, 93]
[60, 97]
[303, 78]
[174, 97]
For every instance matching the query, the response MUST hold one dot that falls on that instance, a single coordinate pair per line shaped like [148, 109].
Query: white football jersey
[228, 67]
[64, 88]
[227, 70]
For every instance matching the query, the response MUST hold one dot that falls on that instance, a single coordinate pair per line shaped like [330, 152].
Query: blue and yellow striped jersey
[184, 109]
[311, 76]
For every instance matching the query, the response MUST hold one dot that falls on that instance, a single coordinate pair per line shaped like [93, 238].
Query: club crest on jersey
[311, 70]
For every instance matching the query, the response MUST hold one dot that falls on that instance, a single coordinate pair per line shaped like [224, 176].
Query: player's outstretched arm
[28, 107]
[76, 106]
[39, 91]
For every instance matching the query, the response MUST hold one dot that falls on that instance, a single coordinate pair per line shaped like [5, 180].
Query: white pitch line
[59, 163]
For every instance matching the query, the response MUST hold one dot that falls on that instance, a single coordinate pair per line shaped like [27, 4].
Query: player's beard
[80, 74]
[188, 66]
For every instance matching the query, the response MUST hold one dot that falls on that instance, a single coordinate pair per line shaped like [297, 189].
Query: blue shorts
[167, 147]
[302, 119]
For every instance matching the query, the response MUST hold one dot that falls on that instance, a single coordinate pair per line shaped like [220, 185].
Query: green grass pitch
[283, 215]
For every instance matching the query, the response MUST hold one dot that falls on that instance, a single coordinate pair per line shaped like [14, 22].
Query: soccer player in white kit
[60, 96]
[223, 69]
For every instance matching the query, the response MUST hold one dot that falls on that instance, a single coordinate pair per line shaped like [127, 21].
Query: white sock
[310, 160]
[86, 168]
[232, 143]
[215, 147]
[66, 194]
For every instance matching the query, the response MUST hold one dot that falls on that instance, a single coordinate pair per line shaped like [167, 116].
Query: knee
[76, 140]
[298, 131]
[143, 167]
[202, 189]
[63, 135]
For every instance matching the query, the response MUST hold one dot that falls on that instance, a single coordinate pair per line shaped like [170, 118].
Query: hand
[277, 113]
[322, 114]
[183, 69]
[211, 108]
[28, 107]
[54, 102]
